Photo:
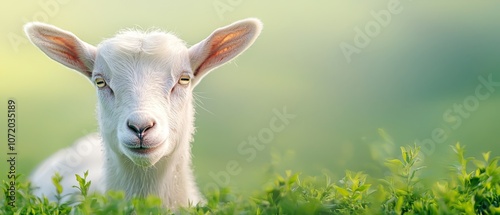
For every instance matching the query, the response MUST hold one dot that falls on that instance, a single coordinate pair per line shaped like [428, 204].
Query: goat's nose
[140, 125]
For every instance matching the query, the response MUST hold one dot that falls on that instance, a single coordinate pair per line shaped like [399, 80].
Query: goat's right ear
[62, 46]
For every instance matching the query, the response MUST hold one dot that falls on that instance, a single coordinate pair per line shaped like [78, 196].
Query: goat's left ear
[222, 45]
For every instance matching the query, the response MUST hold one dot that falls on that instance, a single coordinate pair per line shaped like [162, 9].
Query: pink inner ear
[67, 50]
[223, 46]
[229, 37]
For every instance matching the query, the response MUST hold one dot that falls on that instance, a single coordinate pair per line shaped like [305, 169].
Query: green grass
[471, 187]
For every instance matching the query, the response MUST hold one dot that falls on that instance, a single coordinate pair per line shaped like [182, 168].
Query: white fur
[142, 71]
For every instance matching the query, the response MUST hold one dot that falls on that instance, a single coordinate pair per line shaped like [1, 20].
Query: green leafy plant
[472, 187]
[404, 193]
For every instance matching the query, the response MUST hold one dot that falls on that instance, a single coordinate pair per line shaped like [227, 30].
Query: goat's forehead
[136, 52]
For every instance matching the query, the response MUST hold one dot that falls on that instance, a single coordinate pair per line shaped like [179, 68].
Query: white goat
[144, 83]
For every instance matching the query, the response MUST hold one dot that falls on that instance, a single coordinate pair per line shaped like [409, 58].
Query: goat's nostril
[140, 130]
[133, 127]
[147, 127]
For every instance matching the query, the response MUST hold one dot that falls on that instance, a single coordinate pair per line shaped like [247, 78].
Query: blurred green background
[424, 62]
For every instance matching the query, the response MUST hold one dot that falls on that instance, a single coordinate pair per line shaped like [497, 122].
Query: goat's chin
[145, 157]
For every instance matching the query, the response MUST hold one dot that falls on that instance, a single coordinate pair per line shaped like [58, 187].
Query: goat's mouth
[144, 156]
[142, 147]
[143, 150]
[144, 153]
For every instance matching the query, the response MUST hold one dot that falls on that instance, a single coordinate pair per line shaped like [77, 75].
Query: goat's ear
[62, 46]
[222, 45]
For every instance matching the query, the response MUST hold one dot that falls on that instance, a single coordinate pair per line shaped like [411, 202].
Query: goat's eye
[185, 79]
[100, 82]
